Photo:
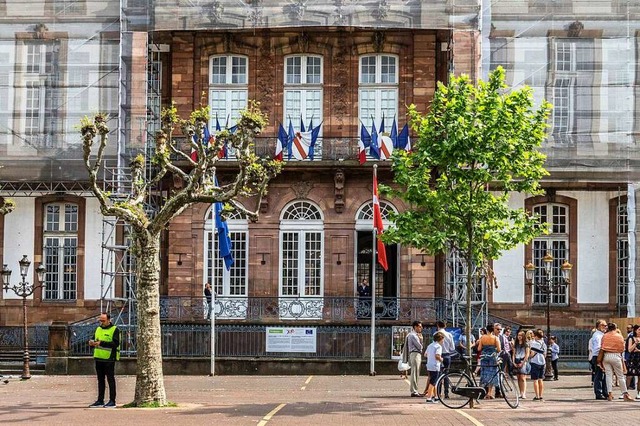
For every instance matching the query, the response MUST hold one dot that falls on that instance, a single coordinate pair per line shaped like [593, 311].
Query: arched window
[555, 242]
[232, 282]
[60, 246]
[301, 248]
[364, 217]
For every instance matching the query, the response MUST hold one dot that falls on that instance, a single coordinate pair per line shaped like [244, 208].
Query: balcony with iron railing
[328, 152]
[328, 309]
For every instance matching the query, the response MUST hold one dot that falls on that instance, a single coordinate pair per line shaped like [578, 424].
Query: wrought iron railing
[249, 340]
[326, 149]
[274, 309]
[194, 340]
[11, 338]
[574, 344]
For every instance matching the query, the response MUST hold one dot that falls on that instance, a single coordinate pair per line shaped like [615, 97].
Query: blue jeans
[599, 379]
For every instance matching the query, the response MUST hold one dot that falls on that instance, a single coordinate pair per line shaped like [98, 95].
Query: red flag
[377, 223]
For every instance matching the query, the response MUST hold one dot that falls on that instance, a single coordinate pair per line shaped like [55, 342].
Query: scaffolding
[456, 292]
[139, 120]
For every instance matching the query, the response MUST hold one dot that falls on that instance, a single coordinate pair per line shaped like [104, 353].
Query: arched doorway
[386, 285]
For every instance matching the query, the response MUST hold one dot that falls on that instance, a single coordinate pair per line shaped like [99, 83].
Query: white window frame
[302, 227]
[565, 56]
[303, 99]
[378, 93]
[622, 254]
[239, 231]
[63, 275]
[69, 7]
[556, 242]
[563, 90]
[309, 93]
[235, 94]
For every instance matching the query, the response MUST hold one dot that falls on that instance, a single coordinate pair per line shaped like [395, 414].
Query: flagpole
[212, 324]
[372, 371]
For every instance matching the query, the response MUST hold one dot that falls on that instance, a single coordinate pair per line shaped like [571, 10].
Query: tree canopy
[193, 177]
[476, 146]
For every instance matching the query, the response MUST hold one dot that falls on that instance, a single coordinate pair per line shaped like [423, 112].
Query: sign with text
[291, 339]
[398, 335]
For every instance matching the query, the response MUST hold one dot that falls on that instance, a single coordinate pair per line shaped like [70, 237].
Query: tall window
[555, 242]
[228, 88]
[60, 251]
[301, 239]
[622, 255]
[303, 90]
[41, 78]
[69, 7]
[378, 89]
[561, 105]
[232, 282]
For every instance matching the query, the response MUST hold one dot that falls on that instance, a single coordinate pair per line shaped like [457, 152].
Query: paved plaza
[296, 400]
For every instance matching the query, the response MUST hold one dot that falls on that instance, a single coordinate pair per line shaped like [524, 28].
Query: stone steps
[11, 362]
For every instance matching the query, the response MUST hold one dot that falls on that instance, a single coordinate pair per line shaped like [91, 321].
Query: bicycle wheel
[446, 389]
[509, 389]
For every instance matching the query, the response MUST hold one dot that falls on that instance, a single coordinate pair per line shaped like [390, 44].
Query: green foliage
[473, 139]
[7, 205]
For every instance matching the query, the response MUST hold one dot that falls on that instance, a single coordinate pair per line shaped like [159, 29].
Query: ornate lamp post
[23, 289]
[547, 286]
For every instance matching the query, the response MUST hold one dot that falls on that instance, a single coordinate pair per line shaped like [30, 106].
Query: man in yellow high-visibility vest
[106, 351]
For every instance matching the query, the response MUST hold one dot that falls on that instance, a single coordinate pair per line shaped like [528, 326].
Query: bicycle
[457, 388]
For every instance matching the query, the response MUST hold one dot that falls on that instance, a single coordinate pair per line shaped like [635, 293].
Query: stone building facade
[340, 63]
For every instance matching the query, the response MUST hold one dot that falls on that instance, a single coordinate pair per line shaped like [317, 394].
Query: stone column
[58, 353]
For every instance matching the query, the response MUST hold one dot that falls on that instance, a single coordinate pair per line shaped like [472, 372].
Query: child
[434, 362]
[555, 352]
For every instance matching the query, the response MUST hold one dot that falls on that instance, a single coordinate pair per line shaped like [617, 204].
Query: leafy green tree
[7, 205]
[476, 146]
[197, 186]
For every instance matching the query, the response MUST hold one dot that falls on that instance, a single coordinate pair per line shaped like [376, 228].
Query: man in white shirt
[599, 383]
[448, 351]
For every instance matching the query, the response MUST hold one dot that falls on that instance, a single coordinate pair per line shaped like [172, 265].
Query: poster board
[291, 339]
[398, 335]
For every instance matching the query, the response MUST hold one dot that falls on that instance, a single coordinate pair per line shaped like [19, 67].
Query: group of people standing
[437, 357]
[613, 356]
[522, 356]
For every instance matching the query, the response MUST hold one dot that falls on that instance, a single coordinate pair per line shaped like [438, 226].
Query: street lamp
[547, 286]
[24, 289]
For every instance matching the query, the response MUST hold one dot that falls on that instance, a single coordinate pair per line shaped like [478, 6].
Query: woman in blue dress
[489, 347]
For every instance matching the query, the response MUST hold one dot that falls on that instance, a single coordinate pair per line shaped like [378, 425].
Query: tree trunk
[149, 378]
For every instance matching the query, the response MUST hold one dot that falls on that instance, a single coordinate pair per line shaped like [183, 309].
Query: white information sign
[291, 339]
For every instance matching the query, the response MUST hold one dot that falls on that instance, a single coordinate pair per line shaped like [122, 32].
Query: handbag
[403, 366]
[527, 367]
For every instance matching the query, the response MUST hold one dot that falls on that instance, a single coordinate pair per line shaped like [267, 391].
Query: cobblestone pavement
[297, 400]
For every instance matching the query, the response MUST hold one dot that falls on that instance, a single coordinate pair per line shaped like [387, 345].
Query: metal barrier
[194, 340]
[11, 338]
[573, 343]
[80, 334]
[248, 340]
